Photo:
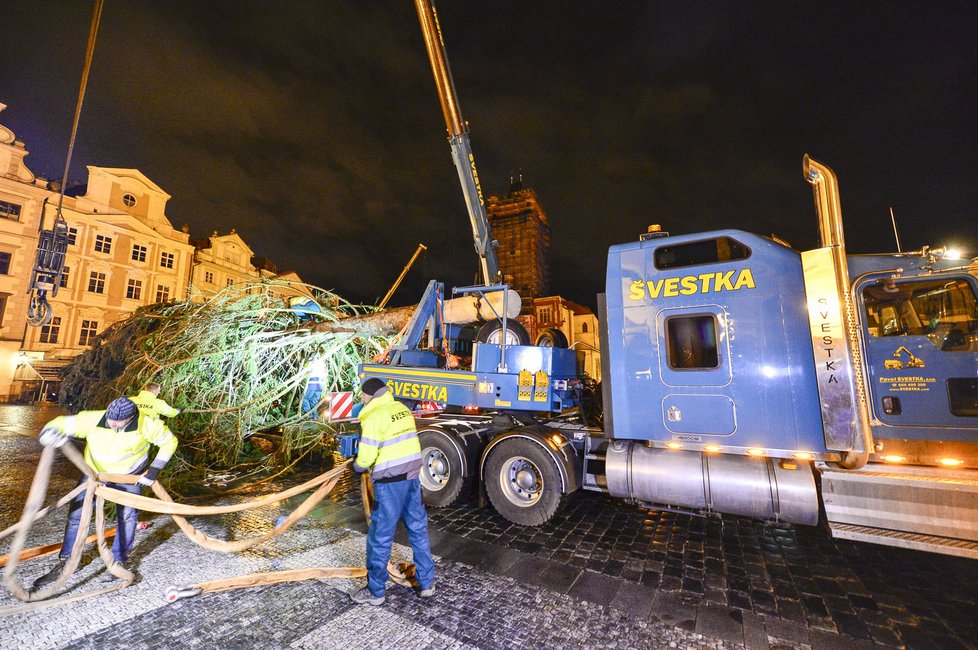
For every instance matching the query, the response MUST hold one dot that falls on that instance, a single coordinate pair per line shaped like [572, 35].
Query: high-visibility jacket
[389, 445]
[151, 405]
[123, 452]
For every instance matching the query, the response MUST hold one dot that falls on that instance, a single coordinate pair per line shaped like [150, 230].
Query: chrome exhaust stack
[835, 328]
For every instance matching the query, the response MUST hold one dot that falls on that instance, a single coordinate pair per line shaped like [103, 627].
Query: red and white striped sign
[340, 407]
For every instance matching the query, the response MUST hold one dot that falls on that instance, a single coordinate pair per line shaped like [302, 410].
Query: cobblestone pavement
[602, 574]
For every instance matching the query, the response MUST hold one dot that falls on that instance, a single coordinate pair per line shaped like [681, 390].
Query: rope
[89, 53]
[97, 491]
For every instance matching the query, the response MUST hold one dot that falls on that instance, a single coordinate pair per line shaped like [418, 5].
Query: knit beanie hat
[373, 386]
[121, 408]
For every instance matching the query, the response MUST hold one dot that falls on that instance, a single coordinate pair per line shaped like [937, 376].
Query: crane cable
[89, 54]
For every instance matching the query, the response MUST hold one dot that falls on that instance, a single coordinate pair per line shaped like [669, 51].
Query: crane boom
[458, 138]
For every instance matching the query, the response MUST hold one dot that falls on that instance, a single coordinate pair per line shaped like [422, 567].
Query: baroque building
[123, 252]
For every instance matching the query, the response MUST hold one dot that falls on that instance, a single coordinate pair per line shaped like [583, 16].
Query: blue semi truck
[738, 376]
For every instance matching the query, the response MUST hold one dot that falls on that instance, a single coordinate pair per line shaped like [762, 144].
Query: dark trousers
[125, 532]
[393, 501]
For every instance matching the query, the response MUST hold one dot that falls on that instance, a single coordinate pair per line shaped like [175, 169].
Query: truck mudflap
[763, 488]
[923, 508]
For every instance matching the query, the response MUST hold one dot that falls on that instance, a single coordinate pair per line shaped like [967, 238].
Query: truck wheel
[523, 483]
[551, 338]
[492, 331]
[441, 477]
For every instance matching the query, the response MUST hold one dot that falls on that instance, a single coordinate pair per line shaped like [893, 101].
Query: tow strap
[97, 492]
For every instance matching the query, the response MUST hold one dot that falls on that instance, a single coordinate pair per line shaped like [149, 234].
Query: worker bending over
[389, 447]
[117, 442]
[149, 403]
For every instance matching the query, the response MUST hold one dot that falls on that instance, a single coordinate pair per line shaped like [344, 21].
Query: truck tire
[523, 483]
[491, 332]
[442, 483]
[551, 338]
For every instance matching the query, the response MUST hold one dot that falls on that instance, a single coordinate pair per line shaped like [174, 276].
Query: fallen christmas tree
[238, 364]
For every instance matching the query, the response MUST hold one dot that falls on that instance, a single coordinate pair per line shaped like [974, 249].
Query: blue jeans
[393, 501]
[125, 532]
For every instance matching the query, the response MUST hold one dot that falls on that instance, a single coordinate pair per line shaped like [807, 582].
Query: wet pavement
[603, 573]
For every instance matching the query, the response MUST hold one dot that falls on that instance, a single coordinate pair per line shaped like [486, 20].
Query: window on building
[584, 327]
[545, 315]
[49, 332]
[129, 200]
[65, 272]
[229, 282]
[166, 260]
[9, 210]
[232, 258]
[3, 306]
[692, 342]
[4, 263]
[134, 289]
[710, 251]
[88, 330]
[96, 282]
[162, 293]
[103, 244]
[209, 277]
[72, 236]
[138, 253]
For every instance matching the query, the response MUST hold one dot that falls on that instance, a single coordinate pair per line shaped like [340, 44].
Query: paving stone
[720, 622]
[634, 599]
[825, 641]
[595, 588]
[669, 609]
[755, 635]
[787, 630]
[556, 577]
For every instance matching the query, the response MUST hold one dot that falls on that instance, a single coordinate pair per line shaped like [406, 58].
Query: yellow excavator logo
[897, 364]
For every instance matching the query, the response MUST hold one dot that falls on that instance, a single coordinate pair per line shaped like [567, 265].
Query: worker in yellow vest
[118, 441]
[390, 449]
[149, 403]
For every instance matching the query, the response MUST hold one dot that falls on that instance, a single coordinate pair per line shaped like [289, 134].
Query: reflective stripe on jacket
[151, 405]
[389, 445]
[117, 453]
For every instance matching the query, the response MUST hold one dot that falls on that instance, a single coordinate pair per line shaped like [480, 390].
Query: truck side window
[708, 251]
[963, 395]
[945, 311]
[692, 342]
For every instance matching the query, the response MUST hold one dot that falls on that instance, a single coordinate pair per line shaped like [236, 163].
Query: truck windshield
[945, 311]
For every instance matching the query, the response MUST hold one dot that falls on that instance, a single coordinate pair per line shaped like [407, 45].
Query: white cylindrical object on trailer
[476, 307]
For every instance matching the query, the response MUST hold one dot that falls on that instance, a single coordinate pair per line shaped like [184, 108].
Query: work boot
[107, 575]
[427, 593]
[51, 575]
[364, 596]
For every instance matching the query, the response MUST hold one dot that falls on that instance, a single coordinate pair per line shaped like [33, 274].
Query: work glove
[51, 437]
[146, 482]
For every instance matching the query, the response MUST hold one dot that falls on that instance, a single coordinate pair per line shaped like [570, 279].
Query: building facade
[576, 322]
[123, 253]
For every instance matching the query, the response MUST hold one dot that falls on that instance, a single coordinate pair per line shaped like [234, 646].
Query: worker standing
[389, 447]
[149, 403]
[117, 440]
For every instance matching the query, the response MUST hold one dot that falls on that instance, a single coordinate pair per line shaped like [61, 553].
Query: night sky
[314, 128]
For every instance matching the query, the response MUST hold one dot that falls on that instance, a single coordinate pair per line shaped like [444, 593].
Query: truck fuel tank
[764, 488]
